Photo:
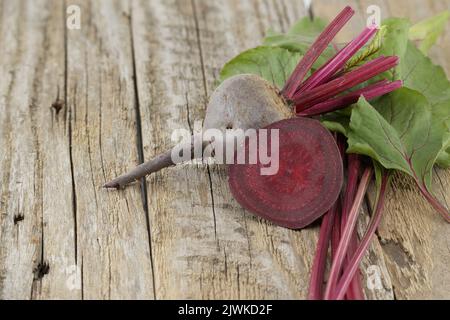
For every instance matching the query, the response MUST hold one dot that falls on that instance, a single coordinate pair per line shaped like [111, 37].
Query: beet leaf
[404, 134]
[299, 38]
[273, 64]
[428, 31]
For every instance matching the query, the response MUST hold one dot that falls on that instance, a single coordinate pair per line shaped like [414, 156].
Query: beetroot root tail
[160, 162]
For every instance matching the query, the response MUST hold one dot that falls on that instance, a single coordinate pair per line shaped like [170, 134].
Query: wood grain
[112, 237]
[37, 227]
[135, 72]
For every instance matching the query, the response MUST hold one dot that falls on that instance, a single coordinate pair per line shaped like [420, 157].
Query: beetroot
[241, 102]
[308, 181]
[308, 174]
[248, 101]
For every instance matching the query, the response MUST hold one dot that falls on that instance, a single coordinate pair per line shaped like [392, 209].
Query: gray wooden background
[78, 107]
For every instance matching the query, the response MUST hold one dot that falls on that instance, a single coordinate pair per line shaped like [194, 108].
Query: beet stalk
[437, 205]
[347, 234]
[324, 74]
[336, 232]
[370, 92]
[317, 48]
[353, 265]
[355, 291]
[329, 90]
[320, 258]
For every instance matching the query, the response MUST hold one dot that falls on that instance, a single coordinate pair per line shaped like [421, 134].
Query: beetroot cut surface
[308, 181]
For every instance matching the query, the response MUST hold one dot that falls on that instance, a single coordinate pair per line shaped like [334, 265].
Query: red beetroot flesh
[308, 181]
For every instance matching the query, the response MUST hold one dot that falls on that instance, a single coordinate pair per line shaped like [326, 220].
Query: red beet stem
[353, 168]
[315, 51]
[354, 164]
[355, 290]
[345, 82]
[346, 235]
[353, 265]
[439, 207]
[336, 232]
[338, 61]
[370, 92]
[320, 258]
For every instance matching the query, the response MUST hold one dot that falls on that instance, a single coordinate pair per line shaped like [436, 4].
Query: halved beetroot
[308, 181]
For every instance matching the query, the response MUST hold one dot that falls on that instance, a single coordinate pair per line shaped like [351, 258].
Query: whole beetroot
[310, 174]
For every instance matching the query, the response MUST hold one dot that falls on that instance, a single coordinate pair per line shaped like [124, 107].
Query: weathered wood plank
[36, 199]
[148, 67]
[112, 238]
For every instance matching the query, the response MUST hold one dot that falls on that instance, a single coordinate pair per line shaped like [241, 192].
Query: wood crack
[100, 125]
[82, 278]
[42, 268]
[86, 125]
[212, 200]
[205, 87]
[68, 118]
[188, 113]
[140, 149]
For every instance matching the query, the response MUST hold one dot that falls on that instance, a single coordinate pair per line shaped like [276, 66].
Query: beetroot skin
[308, 181]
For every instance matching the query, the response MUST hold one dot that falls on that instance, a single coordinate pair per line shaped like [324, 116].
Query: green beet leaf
[427, 32]
[395, 40]
[279, 54]
[300, 37]
[416, 70]
[442, 113]
[337, 121]
[401, 133]
[419, 73]
[271, 63]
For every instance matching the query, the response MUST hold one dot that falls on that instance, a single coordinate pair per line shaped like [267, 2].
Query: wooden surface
[134, 72]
